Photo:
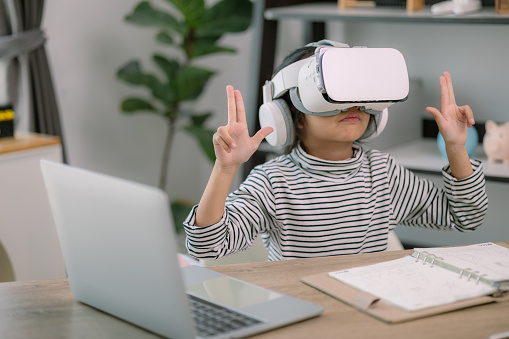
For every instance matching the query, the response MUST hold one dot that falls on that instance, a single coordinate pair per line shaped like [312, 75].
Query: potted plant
[191, 30]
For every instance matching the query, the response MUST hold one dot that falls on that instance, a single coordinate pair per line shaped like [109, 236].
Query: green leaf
[204, 138]
[191, 81]
[164, 38]
[198, 120]
[170, 67]
[135, 105]
[146, 15]
[132, 74]
[192, 10]
[206, 46]
[226, 16]
[129, 68]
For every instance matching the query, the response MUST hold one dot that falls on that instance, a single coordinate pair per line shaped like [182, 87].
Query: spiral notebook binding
[479, 276]
[423, 253]
[435, 258]
[471, 274]
[466, 270]
[427, 257]
[430, 258]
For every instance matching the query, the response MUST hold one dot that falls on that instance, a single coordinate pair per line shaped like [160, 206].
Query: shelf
[423, 156]
[330, 12]
[24, 141]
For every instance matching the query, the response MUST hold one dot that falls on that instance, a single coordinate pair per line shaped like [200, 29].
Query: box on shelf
[502, 6]
[6, 121]
[411, 5]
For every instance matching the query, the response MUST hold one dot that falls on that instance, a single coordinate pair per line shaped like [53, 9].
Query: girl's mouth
[351, 117]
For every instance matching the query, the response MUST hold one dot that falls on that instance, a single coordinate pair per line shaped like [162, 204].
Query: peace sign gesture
[453, 123]
[232, 144]
[452, 120]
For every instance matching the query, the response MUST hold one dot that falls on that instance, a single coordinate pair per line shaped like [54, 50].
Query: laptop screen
[232, 292]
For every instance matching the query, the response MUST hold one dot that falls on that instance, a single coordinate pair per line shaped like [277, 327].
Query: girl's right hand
[232, 144]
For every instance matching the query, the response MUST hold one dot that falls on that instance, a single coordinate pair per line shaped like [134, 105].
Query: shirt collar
[336, 170]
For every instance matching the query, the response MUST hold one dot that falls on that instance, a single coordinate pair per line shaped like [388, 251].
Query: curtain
[22, 47]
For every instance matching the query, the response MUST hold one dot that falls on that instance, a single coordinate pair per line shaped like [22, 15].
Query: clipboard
[375, 307]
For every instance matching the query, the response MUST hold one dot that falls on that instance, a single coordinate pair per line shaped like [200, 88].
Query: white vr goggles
[333, 80]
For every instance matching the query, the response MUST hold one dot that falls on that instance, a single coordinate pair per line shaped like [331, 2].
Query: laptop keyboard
[212, 319]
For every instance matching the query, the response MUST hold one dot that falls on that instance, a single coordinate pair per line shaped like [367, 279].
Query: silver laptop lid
[119, 274]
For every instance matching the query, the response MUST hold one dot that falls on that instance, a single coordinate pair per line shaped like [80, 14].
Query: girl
[328, 195]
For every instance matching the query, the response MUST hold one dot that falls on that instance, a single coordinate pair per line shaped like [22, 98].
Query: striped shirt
[303, 206]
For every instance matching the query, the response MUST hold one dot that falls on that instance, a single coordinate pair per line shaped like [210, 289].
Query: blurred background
[88, 41]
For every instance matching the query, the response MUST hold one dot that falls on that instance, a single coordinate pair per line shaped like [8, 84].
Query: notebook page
[488, 259]
[411, 285]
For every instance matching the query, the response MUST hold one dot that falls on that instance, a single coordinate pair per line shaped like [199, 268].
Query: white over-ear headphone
[276, 113]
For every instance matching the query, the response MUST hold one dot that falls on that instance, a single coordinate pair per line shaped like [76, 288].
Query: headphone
[276, 113]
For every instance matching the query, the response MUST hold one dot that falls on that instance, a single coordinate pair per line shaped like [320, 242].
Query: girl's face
[323, 135]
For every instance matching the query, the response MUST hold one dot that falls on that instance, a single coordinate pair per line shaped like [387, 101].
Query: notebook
[427, 282]
[118, 242]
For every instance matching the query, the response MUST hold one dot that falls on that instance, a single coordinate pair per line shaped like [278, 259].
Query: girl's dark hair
[300, 54]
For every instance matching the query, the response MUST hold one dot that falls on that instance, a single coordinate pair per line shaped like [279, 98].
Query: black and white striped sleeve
[249, 210]
[461, 205]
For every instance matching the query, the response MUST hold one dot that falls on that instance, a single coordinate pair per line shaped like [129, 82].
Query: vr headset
[334, 79]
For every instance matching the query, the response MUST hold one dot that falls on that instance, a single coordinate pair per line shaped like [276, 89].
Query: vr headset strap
[287, 78]
[294, 96]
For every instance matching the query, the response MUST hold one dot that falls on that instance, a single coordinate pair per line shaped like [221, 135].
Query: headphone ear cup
[277, 115]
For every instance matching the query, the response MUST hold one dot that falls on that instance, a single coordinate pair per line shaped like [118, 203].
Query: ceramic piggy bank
[496, 142]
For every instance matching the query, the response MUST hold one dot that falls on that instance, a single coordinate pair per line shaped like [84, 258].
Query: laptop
[118, 242]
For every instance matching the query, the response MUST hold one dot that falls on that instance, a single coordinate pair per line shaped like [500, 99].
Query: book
[433, 276]
[426, 282]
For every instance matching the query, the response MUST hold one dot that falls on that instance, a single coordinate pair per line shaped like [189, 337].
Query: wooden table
[46, 309]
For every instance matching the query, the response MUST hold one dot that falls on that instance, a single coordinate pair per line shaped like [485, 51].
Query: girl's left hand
[452, 120]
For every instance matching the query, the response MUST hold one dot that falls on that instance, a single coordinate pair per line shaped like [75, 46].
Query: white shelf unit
[31, 250]
[423, 156]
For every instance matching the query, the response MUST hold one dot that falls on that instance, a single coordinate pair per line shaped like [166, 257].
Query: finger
[224, 135]
[435, 113]
[232, 108]
[469, 115]
[262, 134]
[217, 141]
[450, 90]
[444, 93]
[241, 111]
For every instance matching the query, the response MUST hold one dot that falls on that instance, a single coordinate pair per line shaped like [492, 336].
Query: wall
[87, 42]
